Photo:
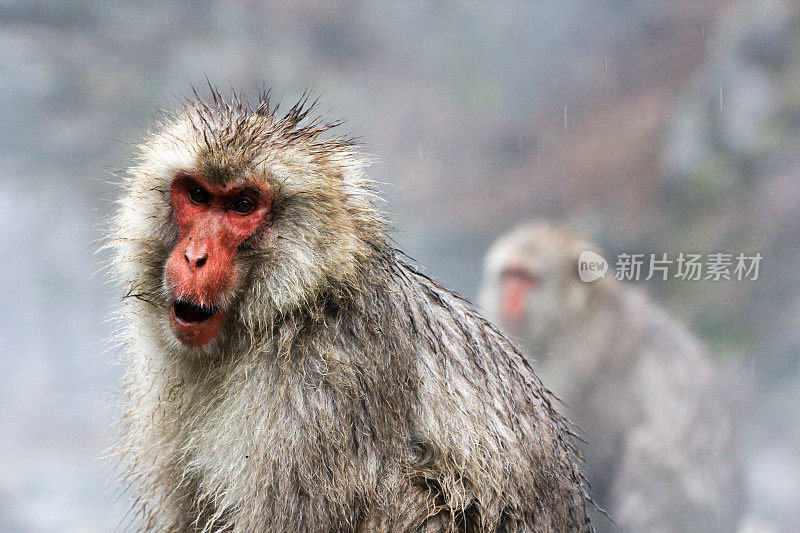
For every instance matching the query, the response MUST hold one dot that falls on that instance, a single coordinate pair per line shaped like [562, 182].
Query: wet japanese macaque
[288, 371]
[653, 408]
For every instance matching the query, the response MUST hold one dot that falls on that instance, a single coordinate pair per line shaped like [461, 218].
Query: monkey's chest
[269, 464]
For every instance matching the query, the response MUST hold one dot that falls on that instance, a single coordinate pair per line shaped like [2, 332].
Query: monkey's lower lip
[195, 325]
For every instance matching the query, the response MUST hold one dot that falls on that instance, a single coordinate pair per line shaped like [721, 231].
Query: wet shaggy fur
[347, 391]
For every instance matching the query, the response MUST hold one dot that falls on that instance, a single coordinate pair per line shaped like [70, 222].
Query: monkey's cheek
[196, 334]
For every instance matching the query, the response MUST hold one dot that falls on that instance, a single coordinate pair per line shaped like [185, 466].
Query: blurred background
[648, 126]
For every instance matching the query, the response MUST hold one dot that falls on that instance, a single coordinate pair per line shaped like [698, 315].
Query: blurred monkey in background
[660, 445]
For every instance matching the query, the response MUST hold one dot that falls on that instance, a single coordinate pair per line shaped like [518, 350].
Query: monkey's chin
[194, 329]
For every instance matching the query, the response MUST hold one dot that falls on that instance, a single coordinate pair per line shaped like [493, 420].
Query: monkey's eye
[243, 205]
[198, 195]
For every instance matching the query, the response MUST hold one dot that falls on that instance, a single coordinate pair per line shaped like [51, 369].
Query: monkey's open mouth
[190, 312]
[194, 324]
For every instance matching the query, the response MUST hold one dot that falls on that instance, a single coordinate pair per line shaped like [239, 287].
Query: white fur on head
[322, 219]
[551, 253]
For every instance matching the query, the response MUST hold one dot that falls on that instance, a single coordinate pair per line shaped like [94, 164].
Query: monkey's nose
[196, 259]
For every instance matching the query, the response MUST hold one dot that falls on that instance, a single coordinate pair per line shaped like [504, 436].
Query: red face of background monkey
[213, 221]
[517, 285]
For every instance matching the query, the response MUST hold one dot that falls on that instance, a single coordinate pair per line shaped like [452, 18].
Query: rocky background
[652, 127]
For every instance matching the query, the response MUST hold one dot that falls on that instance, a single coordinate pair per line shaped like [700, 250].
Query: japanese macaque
[289, 371]
[660, 442]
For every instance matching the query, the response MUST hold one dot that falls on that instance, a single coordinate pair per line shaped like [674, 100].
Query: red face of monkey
[517, 284]
[213, 221]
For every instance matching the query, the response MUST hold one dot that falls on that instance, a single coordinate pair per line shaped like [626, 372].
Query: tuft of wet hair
[235, 126]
